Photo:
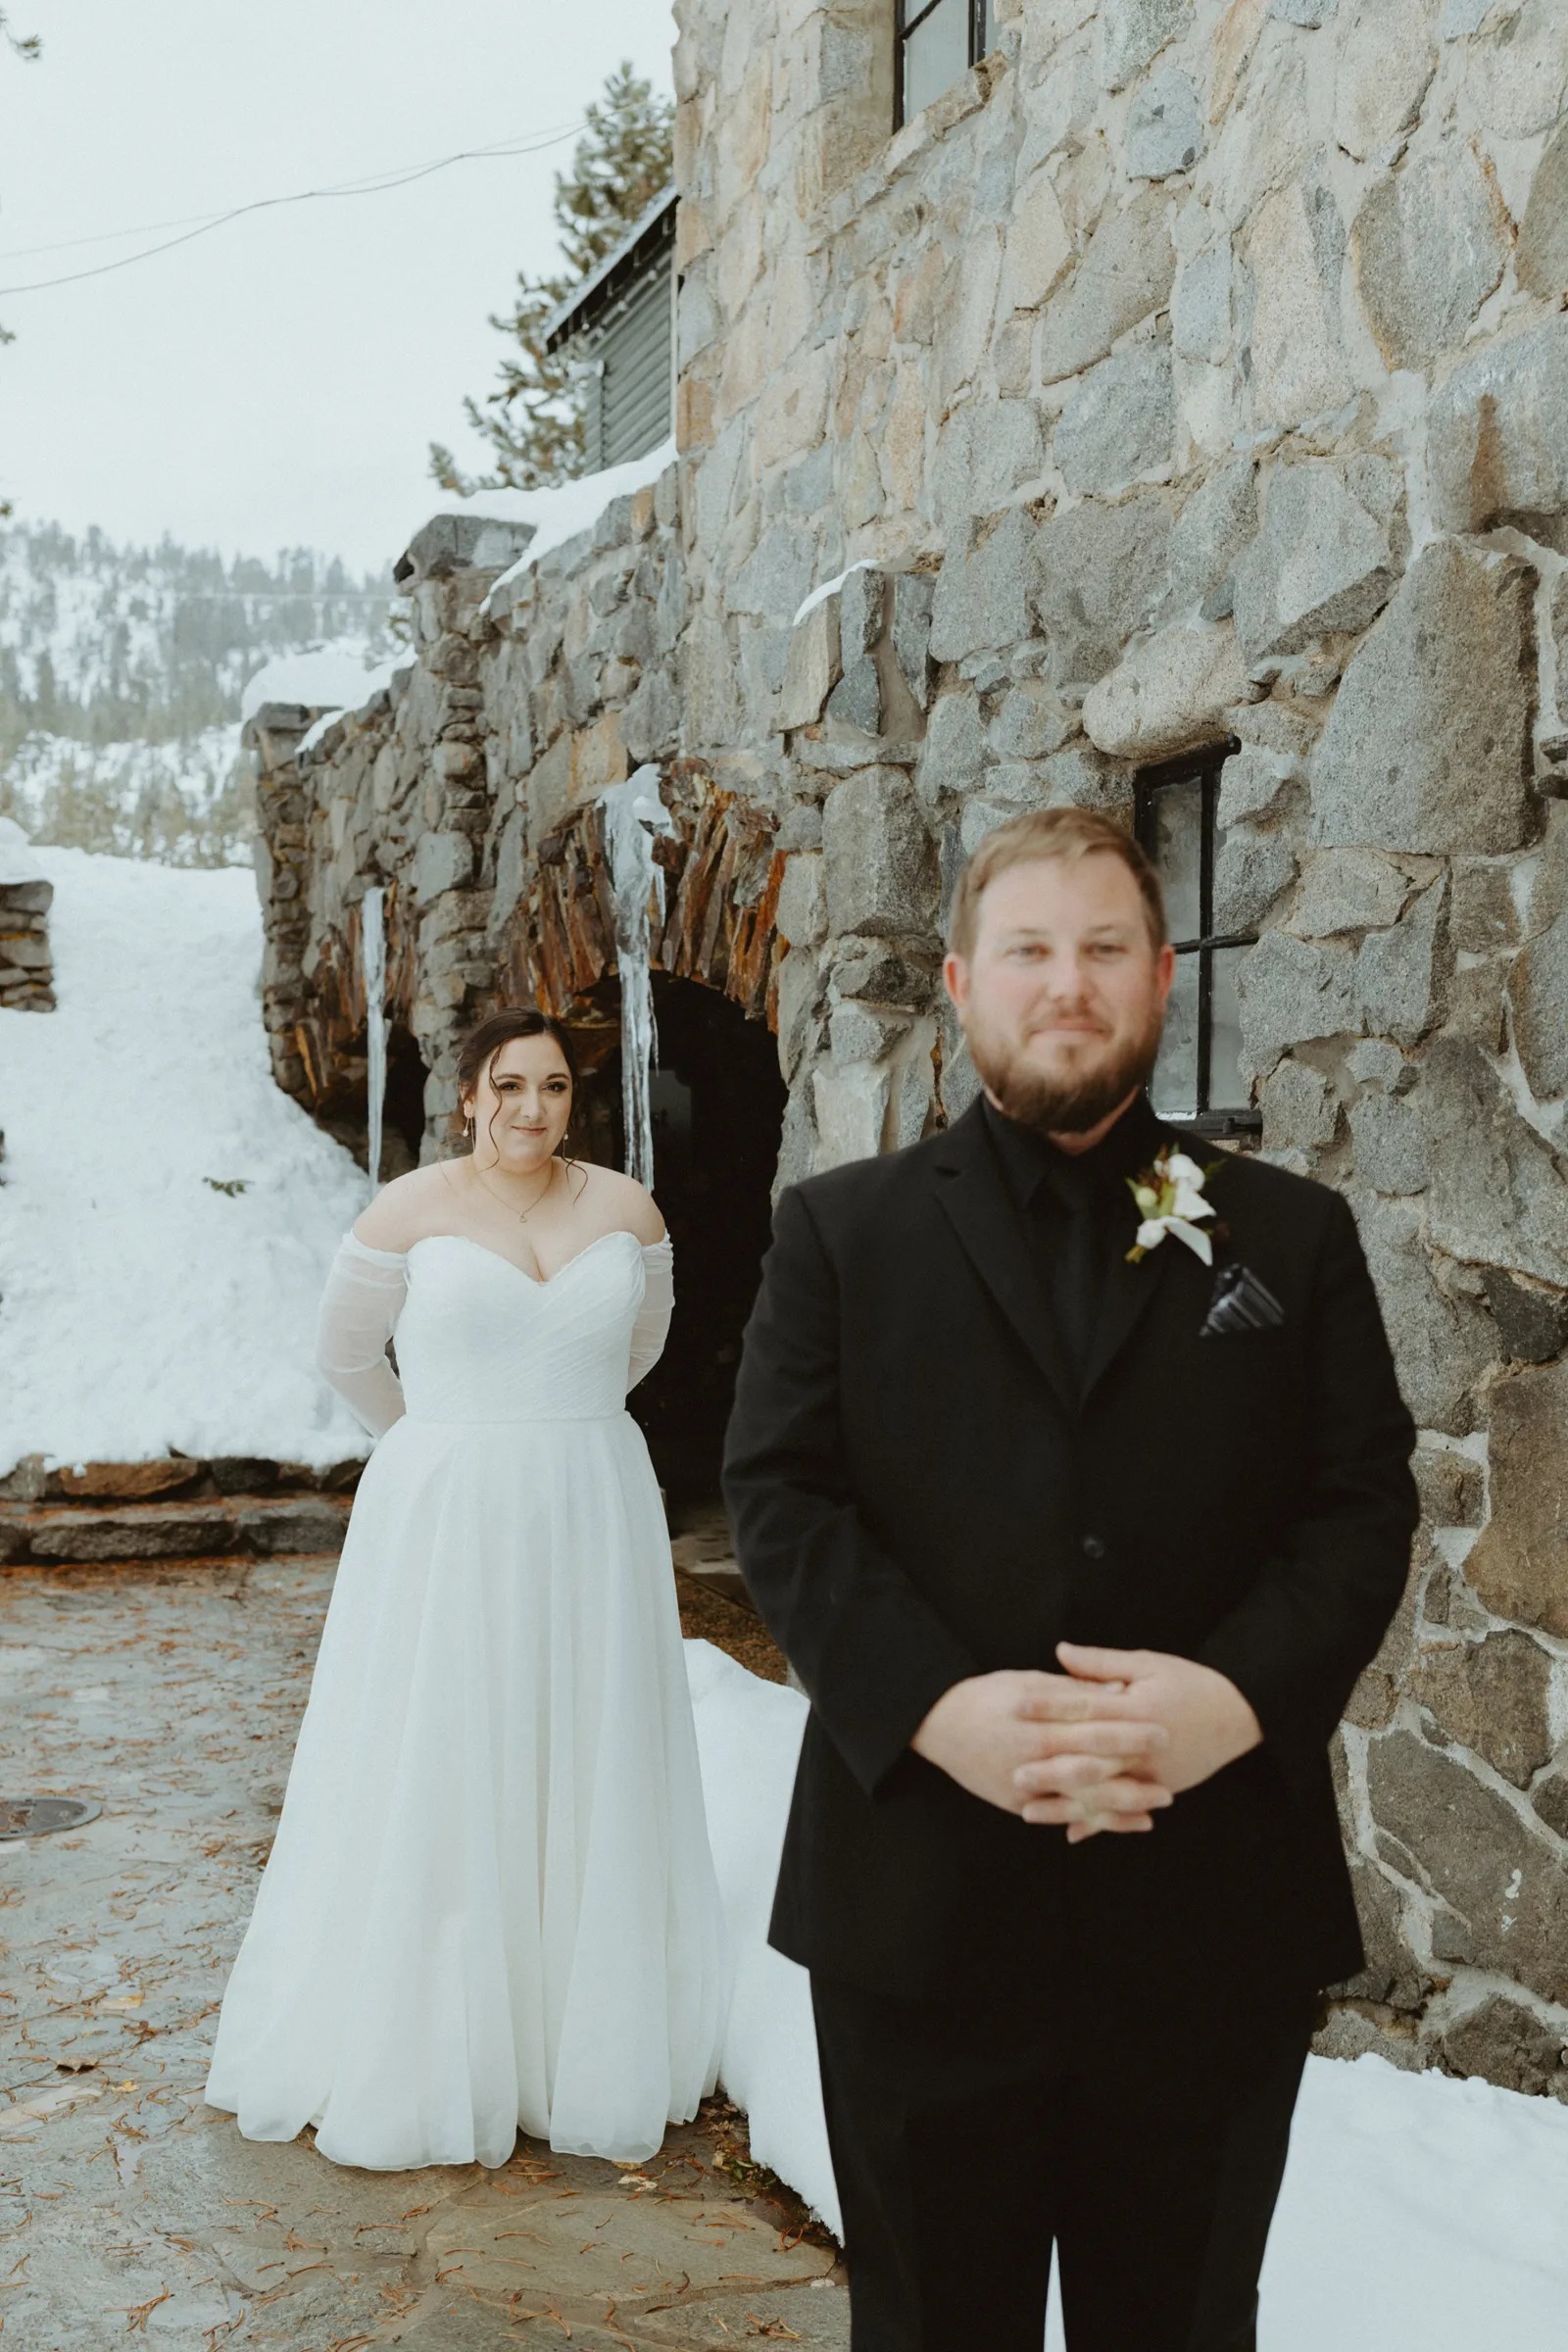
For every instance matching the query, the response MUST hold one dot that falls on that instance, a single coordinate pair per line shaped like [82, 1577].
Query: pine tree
[533, 420]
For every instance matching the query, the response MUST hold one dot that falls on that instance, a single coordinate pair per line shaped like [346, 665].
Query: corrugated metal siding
[630, 411]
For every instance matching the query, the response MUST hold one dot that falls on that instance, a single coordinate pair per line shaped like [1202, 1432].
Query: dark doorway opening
[343, 1110]
[719, 1108]
[402, 1108]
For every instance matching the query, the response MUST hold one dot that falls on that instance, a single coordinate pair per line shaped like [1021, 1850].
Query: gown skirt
[491, 1902]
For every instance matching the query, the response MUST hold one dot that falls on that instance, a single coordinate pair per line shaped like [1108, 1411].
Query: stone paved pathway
[130, 2209]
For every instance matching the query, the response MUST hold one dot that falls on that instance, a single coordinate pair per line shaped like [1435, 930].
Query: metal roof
[647, 236]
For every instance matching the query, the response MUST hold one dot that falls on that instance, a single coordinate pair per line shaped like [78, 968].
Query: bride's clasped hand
[491, 1904]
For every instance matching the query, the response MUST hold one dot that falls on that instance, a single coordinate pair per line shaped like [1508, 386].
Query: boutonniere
[1169, 1193]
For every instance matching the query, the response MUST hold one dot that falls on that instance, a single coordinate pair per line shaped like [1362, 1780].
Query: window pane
[935, 54]
[1227, 1088]
[988, 27]
[1178, 851]
[1173, 1089]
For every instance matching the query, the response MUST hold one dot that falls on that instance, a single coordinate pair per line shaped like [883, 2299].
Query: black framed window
[1198, 1079]
[936, 40]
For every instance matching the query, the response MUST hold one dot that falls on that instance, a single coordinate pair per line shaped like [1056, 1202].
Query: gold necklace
[522, 1214]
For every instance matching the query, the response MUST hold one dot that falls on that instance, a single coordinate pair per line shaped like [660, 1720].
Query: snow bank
[16, 860]
[748, 1737]
[141, 1308]
[331, 677]
[370, 685]
[558, 515]
[1416, 2211]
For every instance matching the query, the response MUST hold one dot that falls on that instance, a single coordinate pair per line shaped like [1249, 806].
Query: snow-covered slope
[142, 1306]
[106, 641]
[122, 674]
[184, 804]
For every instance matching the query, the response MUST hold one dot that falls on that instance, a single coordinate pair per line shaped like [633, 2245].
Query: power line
[148, 228]
[500, 151]
[163, 589]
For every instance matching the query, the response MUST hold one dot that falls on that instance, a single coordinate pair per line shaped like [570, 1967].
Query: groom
[1078, 1550]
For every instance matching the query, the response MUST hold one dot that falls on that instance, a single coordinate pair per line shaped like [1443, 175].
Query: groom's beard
[1068, 1103]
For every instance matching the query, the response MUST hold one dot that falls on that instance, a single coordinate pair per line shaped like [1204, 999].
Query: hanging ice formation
[372, 950]
[633, 813]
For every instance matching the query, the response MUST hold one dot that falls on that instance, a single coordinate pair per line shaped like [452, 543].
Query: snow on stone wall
[26, 966]
[471, 783]
[1186, 375]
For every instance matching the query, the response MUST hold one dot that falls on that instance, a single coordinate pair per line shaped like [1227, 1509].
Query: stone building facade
[1178, 404]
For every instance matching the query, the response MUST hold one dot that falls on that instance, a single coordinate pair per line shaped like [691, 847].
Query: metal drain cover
[36, 1816]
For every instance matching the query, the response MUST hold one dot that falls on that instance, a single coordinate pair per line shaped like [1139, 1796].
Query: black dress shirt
[1076, 1210]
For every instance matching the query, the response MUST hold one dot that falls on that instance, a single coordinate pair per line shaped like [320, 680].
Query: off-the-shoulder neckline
[402, 1256]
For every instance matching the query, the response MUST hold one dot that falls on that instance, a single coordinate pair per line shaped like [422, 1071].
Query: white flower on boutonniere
[1170, 1200]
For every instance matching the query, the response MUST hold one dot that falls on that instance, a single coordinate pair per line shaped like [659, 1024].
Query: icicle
[632, 813]
[372, 950]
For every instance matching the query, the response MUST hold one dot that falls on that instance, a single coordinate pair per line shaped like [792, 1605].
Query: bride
[491, 1904]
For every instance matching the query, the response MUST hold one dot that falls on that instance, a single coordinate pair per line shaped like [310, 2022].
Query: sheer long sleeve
[652, 1327]
[359, 1307]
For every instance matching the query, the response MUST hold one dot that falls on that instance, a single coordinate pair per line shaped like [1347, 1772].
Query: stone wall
[1187, 376]
[27, 966]
[467, 788]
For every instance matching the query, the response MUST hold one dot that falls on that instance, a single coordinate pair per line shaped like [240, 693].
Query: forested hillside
[120, 674]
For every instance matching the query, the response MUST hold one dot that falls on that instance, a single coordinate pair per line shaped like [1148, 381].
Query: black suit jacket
[920, 1491]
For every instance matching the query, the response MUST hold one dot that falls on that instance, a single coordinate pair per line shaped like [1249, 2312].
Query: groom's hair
[1065, 833]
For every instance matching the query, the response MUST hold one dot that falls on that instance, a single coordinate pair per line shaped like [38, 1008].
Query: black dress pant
[966, 2143]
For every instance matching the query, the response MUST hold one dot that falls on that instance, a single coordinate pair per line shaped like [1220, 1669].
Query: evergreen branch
[532, 423]
[26, 45]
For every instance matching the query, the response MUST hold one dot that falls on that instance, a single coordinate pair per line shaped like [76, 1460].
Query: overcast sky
[277, 382]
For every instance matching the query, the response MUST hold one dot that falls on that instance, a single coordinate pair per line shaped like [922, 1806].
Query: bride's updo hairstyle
[481, 1045]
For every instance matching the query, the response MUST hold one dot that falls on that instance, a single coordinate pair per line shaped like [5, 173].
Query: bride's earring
[467, 1129]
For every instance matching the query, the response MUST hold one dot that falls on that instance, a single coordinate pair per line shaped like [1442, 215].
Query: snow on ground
[748, 1737]
[16, 860]
[141, 1308]
[1418, 2213]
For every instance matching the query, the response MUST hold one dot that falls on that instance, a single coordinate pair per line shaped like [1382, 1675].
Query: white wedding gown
[491, 1902]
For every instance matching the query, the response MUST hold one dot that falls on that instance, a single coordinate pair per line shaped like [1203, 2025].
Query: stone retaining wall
[27, 966]
[469, 785]
[1184, 377]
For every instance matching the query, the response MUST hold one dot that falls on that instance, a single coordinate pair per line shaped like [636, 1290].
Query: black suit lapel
[972, 1192]
[1127, 1293]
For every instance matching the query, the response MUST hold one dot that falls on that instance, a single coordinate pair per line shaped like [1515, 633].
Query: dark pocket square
[1239, 1301]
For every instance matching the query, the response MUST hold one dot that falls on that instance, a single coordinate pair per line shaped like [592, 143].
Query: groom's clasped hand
[1105, 1746]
